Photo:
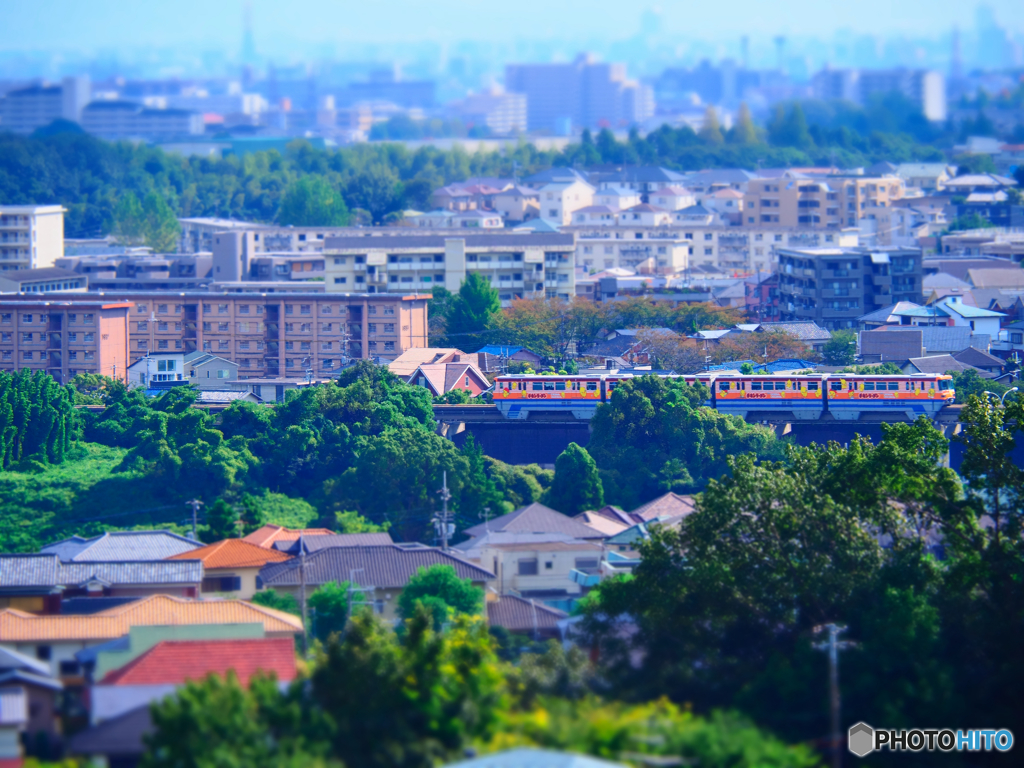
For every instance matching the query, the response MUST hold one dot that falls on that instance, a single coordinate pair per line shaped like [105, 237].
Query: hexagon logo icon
[861, 739]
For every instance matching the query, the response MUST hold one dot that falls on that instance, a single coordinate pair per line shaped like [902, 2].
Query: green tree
[352, 522]
[311, 201]
[968, 383]
[711, 131]
[216, 723]
[743, 131]
[376, 190]
[841, 349]
[161, 225]
[279, 601]
[328, 609]
[480, 492]
[471, 310]
[129, 220]
[577, 485]
[221, 522]
[412, 703]
[439, 590]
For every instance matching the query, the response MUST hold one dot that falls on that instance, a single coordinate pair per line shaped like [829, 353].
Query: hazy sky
[88, 25]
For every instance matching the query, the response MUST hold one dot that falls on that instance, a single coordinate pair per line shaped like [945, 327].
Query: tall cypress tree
[577, 485]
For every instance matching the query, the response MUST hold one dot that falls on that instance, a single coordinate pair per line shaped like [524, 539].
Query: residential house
[809, 333]
[316, 543]
[524, 616]
[596, 216]
[115, 546]
[669, 506]
[382, 572]
[517, 204]
[28, 707]
[618, 198]
[928, 177]
[161, 670]
[231, 567]
[519, 354]
[56, 639]
[535, 518]
[672, 198]
[940, 364]
[200, 369]
[38, 583]
[442, 378]
[119, 741]
[644, 215]
[406, 364]
[536, 565]
[983, 361]
[978, 182]
[609, 520]
[558, 201]
[268, 536]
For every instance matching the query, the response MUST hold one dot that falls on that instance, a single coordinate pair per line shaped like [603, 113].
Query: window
[44, 652]
[161, 326]
[5, 318]
[143, 326]
[161, 309]
[222, 309]
[709, 251]
[89, 355]
[222, 584]
[389, 327]
[243, 309]
[26, 355]
[162, 344]
[223, 345]
[371, 327]
[141, 309]
[26, 319]
[26, 337]
[372, 311]
[70, 668]
[207, 326]
[143, 345]
[389, 346]
[289, 309]
[325, 309]
[207, 308]
[305, 309]
[527, 567]
[89, 337]
[388, 310]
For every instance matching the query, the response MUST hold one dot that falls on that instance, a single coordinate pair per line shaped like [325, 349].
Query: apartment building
[31, 236]
[269, 335]
[518, 265]
[46, 280]
[26, 109]
[126, 120]
[681, 246]
[64, 337]
[834, 286]
[831, 202]
[558, 201]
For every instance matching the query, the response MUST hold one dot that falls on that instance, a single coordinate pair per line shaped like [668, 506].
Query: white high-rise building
[31, 236]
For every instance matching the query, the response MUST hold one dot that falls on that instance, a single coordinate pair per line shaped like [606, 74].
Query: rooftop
[268, 535]
[157, 610]
[121, 545]
[233, 553]
[517, 614]
[535, 518]
[46, 571]
[177, 661]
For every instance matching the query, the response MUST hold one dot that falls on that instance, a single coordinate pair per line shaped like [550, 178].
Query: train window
[836, 386]
[756, 386]
[549, 386]
[868, 386]
[591, 386]
[894, 386]
[945, 384]
[724, 386]
[812, 386]
[537, 386]
[560, 386]
[780, 385]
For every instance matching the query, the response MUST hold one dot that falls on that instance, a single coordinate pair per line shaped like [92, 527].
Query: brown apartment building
[64, 337]
[829, 202]
[268, 335]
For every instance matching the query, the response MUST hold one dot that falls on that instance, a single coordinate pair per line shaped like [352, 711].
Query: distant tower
[248, 43]
[780, 51]
[745, 48]
[956, 61]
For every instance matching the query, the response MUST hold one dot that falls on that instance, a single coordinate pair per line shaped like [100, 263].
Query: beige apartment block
[64, 337]
[518, 265]
[672, 249]
[831, 202]
[559, 201]
[31, 236]
[271, 335]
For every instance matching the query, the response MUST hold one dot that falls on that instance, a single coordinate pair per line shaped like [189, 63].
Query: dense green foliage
[36, 419]
[440, 591]
[654, 437]
[90, 177]
[419, 698]
[329, 609]
[280, 601]
[577, 484]
[968, 383]
[726, 605]
[312, 202]
[841, 349]
[150, 222]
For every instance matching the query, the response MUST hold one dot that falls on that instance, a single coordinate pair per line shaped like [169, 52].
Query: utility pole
[442, 521]
[302, 593]
[833, 645]
[195, 504]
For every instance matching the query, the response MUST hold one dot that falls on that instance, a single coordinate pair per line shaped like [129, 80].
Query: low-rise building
[200, 369]
[31, 236]
[519, 265]
[382, 571]
[29, 707]
[64, 336]
[44, 280]
[559, 201]
[231, 567]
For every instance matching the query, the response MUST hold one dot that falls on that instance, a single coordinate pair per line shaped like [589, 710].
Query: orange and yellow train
[805, 397]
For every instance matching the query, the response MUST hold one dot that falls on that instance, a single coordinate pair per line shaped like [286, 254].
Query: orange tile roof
[232, 553]
[268, 534]
[156, 610]
[176, 661]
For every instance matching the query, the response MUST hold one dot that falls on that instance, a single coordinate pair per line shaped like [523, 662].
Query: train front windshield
[945, 384]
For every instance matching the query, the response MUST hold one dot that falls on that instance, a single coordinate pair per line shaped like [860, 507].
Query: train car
[517, 395]
[801, 396]
[908, 396]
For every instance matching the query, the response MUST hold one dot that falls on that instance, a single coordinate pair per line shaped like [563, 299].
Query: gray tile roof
[669, 505]
[120, 736]
[944, 363]
[979, 358]
[398, 242]
[121, 545]
[316, 543]
[387, 567]
[802, 331]
[516, 614]
[536, 518]
[47, 571]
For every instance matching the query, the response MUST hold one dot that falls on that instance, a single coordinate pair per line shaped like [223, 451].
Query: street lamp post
[1002, 398]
